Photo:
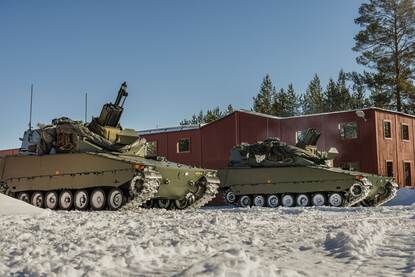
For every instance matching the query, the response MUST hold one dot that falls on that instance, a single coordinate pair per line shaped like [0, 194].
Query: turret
[104, 133]
[275, 153]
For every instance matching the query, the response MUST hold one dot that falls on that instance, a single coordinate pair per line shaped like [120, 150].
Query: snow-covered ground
[211, 242]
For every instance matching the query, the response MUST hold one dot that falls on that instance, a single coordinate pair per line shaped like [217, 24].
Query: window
[298, 136]
[353, 166]
[405, 131]
[348, 130]
[152, 148]
[387, 129]
[183, 145]
[407, 174]
[389, 168]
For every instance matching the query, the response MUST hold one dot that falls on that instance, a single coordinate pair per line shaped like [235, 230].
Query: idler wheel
[303, 200]
[81, 200]
[181, 204]
[38, 199]
[66, 200]
[51, 200]
[245, 201]
[115, 199]
[335, 199]
[273, 201]
[259, 201]
[97, 200]
[164, 203]
[230, 197]
[288, 200]
[24, 196]
[318, 200]
[356, 189]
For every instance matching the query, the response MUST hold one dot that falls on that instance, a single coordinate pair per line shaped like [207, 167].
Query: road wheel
[245, 201]
[51, 200]
[115, 199]
[24, 196]
[288, 200]
[181, 204]
[318, 200]
[38, 199]
[230, 197]
[259, 201]
[303, 200]
[335, 199]
[97, 200]
[272, 201]
[81, 200]
[66, 200]
[164, 203]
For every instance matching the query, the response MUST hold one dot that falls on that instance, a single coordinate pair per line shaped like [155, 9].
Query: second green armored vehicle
[70, 165]
[273, 173]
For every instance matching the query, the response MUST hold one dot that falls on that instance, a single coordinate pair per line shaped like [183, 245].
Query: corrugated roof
[169, 129]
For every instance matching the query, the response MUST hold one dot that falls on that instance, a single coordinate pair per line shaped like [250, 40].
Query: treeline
[338, 95]
[386, 47]
[209, 116]
[345, 93]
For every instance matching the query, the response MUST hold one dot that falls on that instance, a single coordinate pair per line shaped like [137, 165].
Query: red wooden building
[370, 140]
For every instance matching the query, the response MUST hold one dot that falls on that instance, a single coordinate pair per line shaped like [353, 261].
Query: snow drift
[11, 206]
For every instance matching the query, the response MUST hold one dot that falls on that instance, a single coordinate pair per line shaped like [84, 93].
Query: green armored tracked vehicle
[70, 165]
[272, 173]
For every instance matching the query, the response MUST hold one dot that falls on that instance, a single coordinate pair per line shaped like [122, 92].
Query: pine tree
[343, 99]
[279, 103]
[313, 101]
[330, 96]
[359, 99]
[212, 115]
[263, 100]
[387, 47]
[292, 103]
[286, 103]
[337, 95]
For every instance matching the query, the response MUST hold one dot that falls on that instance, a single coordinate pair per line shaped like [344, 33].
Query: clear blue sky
[177, 56]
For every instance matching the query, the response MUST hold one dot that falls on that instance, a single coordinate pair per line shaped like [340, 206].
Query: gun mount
[107, 125]
[111, 112]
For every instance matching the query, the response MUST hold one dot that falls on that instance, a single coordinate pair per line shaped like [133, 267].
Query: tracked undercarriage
[96, 166]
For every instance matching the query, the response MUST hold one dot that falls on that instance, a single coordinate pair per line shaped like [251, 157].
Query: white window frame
[390, 129]
[178, 145]
[341, 126]
[409, 135]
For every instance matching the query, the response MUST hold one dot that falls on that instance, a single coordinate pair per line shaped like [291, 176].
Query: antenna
[31, 104]
[86, 106]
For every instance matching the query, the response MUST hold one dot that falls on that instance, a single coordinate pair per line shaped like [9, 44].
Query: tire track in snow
[398, 248]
